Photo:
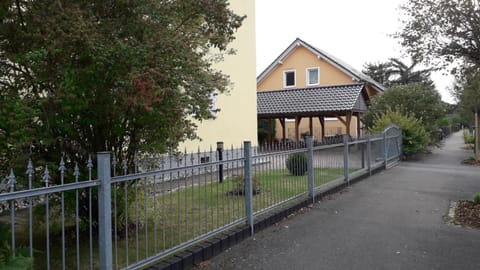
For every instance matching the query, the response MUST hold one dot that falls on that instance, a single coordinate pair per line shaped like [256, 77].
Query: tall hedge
[415, 137]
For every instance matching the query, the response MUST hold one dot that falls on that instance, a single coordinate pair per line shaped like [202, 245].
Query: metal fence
[128, 219]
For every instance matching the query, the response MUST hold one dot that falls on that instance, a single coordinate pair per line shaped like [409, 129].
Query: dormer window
[289, 78]
[313, 76]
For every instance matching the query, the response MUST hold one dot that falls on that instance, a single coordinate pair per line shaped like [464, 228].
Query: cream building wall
[237, 120]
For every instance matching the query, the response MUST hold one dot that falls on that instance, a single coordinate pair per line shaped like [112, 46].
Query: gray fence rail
[124, 219]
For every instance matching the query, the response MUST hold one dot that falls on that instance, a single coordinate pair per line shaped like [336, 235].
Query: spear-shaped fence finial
[89, 162]
[29, 168]
[61, 166]
[76, 171]
[11, 180]
[46, 176]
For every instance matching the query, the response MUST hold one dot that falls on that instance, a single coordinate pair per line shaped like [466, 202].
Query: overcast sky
[354, 31]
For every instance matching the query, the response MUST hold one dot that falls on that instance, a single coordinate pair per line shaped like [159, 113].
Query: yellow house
[237, 119]
[306, 82]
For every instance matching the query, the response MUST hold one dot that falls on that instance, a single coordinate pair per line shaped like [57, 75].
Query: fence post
[345, 158]
[400, 144]
[385, 150]
[247, 146]
[362, 149]
[220, 158]
[310, 171]
[104, 211]
[11, 183]
[369, 155]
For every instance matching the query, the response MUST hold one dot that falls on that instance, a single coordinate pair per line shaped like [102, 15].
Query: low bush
[20, 261]
[239, 185]
[468, 137]
[476, 198]
[415, 137]
[297, 164]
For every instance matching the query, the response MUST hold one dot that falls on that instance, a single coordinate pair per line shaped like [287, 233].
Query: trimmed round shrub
[297, 164]
[476, 198]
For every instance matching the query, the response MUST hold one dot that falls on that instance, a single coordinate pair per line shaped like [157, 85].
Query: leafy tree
[421, 102]
[15, 130]
[80, 77]
[380, 71]
[395, 71]
[21, 260]
[467, 93]
[414, 136]
[443, 30]
[266, 130]
[406, 74]
[121, 76]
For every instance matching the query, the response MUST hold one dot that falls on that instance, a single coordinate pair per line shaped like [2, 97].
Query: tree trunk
[477, 133]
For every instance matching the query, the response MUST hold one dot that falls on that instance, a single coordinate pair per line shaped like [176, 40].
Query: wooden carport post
[358, 125]
[322, 126]
[349, 120]
[282, 122]
[346, 122]
[269, 129]
[298, 119]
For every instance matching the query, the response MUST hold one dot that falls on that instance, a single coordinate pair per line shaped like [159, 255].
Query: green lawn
[167, 219]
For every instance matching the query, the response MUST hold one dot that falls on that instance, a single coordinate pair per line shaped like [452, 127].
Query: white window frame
[285, 78]
[308, 76]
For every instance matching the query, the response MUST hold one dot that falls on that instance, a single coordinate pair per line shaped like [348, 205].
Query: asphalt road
[392, 220]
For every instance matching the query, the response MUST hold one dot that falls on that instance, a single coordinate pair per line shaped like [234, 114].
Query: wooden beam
[358, 126]
[298, 119]
[349, 120]
[341, 119]
[322, 126]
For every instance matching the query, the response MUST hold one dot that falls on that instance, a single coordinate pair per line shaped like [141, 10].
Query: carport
[340, 101]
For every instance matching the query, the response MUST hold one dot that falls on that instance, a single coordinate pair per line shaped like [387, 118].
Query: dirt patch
[468, 147]
[467, 213]
[203, 265]
[335, 195]
[471, 161]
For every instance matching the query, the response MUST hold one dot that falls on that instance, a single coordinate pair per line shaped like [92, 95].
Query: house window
[313, 76]
[289, 78]
[213, 104]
